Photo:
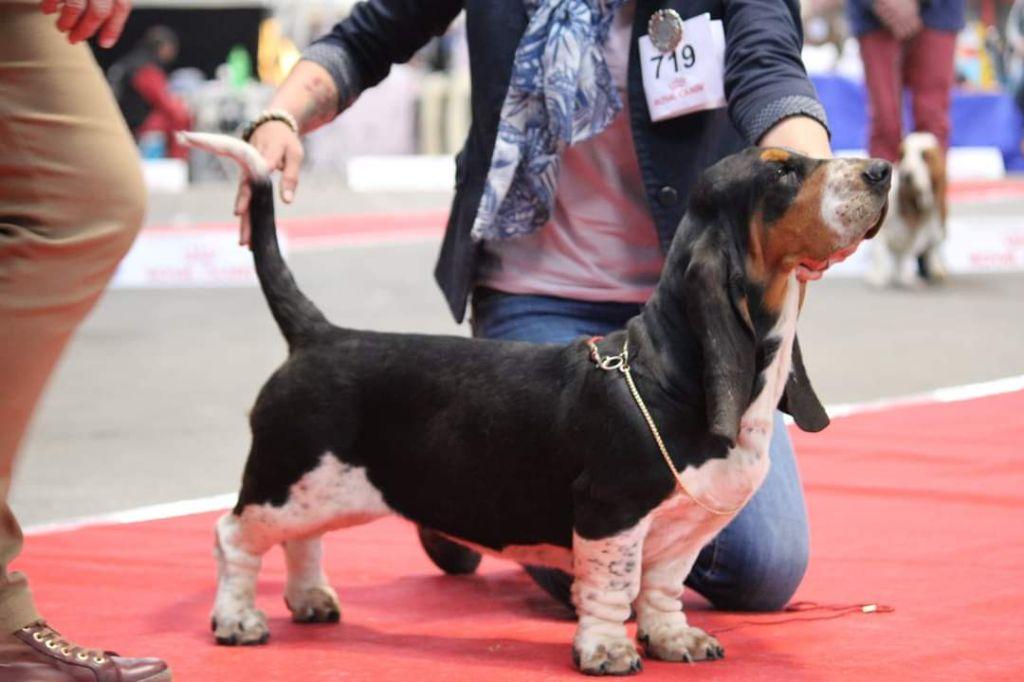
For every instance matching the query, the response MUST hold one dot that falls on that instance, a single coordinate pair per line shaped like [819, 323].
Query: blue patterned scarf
[561, 92]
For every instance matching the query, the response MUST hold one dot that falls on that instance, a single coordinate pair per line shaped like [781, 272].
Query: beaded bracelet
[270, 115]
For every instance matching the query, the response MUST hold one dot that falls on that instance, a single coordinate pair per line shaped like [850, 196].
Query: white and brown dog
[916, 226]
[542, 452]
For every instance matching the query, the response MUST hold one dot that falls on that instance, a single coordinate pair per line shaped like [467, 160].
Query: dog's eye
[783, 171]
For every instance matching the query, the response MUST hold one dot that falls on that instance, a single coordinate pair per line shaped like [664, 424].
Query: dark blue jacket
[941, 15]
[765, 82]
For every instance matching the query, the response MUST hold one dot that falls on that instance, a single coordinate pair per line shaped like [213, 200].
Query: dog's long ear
[721, 321]
[936, 162]
[799, 399]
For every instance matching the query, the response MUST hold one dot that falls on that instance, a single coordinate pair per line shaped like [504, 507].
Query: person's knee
[114, 215]
[766, 580]
[128, 207]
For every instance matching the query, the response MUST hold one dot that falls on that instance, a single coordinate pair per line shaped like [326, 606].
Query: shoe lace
[54, 641]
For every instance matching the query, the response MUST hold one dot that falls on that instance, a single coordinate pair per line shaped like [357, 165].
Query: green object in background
[239, 66]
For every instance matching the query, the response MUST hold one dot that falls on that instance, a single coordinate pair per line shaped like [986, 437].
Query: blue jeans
[758, 560]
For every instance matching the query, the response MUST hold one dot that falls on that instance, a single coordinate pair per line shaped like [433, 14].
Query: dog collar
[620, 363]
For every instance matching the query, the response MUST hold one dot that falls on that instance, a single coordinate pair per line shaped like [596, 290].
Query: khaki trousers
[71, 202]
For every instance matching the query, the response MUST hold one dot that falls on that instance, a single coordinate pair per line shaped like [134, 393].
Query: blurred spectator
[824, 23]
[139, 82]
[1015, 42]
[906, 44]
[995, 48]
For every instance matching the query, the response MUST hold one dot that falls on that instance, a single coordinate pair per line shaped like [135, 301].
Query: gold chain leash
[620, 362]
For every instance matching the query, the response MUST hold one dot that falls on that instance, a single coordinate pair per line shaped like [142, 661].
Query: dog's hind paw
[245, 628]
[610, 657]
[681, 644]
[314, 605]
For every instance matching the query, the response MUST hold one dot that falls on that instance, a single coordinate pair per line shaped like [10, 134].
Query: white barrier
[182, 258]
[995, 244]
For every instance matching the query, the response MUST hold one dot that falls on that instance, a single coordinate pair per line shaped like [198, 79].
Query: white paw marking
[235, 618]
[668, 640]
[598, 653]
[239, 623]
[318, 604]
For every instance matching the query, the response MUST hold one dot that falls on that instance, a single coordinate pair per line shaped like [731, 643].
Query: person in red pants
[906, 45]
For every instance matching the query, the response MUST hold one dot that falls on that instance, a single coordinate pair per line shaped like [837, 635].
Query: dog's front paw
[935, 266]
[244, 627]
[909, 279]
[680, 643]
[606, 655]
[317, 604]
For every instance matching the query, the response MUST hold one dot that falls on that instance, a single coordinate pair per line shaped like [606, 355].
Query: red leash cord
[831, 611]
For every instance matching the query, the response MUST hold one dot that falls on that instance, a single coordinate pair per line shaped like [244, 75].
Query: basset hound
[542, 454]
[916, 227]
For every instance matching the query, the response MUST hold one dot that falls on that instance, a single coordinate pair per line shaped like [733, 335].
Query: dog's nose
[877, 172]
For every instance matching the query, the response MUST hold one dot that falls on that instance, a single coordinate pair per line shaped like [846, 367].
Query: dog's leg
[309, 596]
[235, 618]
[607, 580]
[660, 622]
[906, 272]
[331, 495]
[881, 272]
[935, 264]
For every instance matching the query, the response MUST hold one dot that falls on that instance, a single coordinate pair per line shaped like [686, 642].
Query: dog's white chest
[727, 483]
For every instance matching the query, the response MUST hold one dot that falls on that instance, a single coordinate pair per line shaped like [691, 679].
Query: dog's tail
[296, 315]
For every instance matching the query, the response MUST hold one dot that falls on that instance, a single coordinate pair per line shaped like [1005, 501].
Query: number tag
[690, 77]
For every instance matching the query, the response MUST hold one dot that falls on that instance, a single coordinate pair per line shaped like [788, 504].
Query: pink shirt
[601, 243]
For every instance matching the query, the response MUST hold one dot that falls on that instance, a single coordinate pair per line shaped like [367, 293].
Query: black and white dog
[533, 452]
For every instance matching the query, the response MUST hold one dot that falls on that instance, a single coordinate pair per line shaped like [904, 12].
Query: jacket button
[667, 196]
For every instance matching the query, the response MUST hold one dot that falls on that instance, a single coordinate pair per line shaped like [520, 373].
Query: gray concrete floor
[149, 404]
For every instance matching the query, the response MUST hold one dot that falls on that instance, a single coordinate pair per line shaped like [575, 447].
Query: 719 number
[685, 54]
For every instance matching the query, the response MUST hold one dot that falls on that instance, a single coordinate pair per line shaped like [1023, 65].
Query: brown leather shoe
[37, 653]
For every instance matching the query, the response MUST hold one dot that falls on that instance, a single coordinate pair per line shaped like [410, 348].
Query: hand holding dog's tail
[281, 150]
[296, 315]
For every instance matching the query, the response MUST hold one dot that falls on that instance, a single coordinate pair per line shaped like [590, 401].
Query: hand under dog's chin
[809, 269]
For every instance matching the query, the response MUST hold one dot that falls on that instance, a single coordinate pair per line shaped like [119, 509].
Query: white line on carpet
[152, 512]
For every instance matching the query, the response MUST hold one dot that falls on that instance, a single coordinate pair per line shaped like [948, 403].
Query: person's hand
[82, 19]
[901, 17]
[282, 150]
[802, 133]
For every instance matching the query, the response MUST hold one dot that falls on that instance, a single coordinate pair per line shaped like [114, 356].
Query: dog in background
[916, 226]
[542, 453]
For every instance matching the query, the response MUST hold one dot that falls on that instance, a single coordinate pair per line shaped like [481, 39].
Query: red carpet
[919, 508]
